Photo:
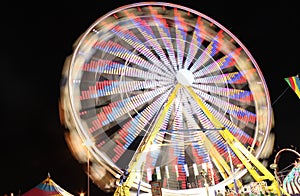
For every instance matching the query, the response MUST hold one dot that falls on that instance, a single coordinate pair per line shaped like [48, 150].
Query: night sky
[36, 39]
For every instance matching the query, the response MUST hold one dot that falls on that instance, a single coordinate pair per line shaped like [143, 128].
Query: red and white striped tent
[291, 183]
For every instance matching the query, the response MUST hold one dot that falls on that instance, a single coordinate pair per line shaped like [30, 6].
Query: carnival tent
[47, 188]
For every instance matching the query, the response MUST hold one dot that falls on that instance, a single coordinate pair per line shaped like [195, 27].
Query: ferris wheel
[164, 93]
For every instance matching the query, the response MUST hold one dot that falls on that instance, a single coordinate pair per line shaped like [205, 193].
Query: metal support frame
[254, 167]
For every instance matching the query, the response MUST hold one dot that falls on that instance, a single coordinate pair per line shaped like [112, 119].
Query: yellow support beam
[246, 157]
[124, 189]
[219, 161]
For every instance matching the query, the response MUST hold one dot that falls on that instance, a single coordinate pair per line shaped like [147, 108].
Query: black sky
[38, 36]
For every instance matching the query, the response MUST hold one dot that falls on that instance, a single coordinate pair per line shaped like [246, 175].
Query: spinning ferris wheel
[162, 92]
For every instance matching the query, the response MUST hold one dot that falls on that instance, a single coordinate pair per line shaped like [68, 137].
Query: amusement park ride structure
[156, 85]
[254, 166]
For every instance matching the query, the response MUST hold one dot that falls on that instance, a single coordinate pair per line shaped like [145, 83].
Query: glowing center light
[185, 77]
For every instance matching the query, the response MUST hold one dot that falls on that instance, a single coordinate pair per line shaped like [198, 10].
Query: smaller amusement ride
[287, 170]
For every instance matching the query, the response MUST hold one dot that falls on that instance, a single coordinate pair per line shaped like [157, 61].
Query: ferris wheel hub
[185, 77]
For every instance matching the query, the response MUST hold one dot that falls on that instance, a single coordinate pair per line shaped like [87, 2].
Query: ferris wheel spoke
[224, 64]
[196, 43]
[201, 150]
[131, 39]
[220, 144]
[116, 69]
[117, 50]
[122, 107]
[244, 97]
[110, 87]
[131, 129]
[146, 30]
[189, 114]
[180, 32]
[235, 111]
[222, 119]
[212, 49]
[164, 33]
[236, 129]
[224, 79]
